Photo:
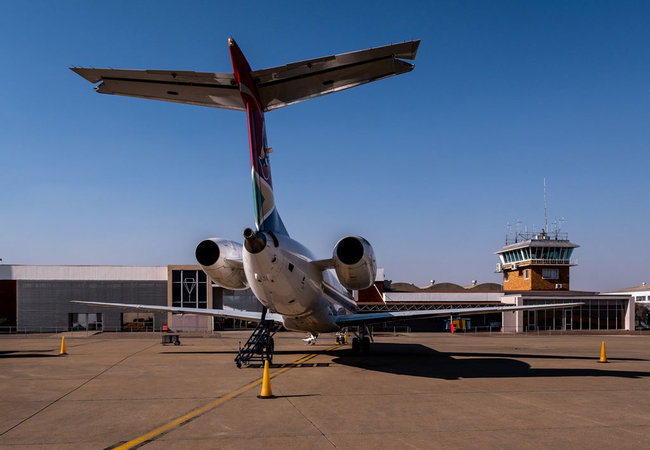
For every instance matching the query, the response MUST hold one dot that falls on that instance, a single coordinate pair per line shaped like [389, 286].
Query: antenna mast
[545, 220]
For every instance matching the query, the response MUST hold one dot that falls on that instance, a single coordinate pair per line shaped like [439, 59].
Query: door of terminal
[568, 320]
[532, 320]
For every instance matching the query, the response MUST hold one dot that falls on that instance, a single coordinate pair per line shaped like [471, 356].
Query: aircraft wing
[300, 81]
[230, 314]
[217, 90]
[370, 318]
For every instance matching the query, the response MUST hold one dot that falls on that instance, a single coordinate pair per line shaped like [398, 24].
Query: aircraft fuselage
[281, 275]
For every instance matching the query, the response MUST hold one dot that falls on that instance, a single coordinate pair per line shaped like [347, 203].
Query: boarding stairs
[259, 346]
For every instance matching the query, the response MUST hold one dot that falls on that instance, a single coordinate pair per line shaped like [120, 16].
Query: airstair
[259, 346]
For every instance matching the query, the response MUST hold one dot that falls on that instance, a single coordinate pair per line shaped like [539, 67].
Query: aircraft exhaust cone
[603, 354]
[266, 383]
[63, 352]
[254, 242]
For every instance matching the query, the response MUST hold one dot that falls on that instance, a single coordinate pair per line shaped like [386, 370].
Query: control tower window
[550, 274]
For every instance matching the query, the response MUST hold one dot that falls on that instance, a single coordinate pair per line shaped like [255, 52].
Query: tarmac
[417, 390]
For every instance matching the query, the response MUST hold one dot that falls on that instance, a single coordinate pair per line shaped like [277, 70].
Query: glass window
[526, 274]
[550, 274]
[189, 289]
[506, 276]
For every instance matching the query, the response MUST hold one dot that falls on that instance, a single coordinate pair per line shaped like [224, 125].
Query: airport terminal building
[38, 299]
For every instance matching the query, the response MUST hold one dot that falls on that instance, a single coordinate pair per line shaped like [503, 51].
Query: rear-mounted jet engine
[354, 263]
[221, 259]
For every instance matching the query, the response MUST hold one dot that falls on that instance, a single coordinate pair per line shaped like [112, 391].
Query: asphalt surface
[420, 390]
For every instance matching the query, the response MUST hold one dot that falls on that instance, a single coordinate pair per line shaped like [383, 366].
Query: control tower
[536, 261]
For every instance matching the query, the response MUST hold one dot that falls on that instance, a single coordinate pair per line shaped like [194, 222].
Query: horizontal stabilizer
[217, 90]
[297, 82]
[230, 314]
[367, 319]
[278, 86]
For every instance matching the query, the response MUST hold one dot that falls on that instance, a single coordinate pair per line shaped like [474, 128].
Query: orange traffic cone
[63, 352]
[266, 383]
[603, 355]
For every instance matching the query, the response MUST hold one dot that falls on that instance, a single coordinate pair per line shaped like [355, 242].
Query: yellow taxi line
[174, 423]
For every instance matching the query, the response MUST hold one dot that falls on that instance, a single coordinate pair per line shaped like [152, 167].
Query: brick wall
[371, 295]
[535, 282]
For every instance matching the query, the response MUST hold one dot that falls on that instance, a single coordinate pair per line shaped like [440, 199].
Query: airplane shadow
[420, 361]
[234, 352]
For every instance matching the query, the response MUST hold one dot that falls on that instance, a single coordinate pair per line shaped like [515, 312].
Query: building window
[550, 274]
[189, 289]
[526, 274]
[506, 276]
[84, 322]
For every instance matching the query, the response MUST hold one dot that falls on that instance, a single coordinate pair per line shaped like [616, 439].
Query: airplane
[296, 289]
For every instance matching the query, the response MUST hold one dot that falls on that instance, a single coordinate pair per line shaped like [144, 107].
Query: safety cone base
[266, 396]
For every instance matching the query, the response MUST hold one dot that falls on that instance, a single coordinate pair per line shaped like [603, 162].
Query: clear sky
[429, 166]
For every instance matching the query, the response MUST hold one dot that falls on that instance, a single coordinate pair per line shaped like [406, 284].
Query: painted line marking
[197, 412]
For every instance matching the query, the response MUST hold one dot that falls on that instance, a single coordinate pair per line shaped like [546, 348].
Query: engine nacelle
[221, 259]
[354, 262]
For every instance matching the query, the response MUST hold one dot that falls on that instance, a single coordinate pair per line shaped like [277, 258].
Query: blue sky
[428, 166]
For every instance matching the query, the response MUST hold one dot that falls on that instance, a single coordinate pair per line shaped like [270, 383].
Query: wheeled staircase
[259, 346]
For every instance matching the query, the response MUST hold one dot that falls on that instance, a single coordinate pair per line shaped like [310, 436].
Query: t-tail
[257, 92]
[266, 214]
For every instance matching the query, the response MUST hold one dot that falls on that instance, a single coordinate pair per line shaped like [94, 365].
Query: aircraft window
[172, 93]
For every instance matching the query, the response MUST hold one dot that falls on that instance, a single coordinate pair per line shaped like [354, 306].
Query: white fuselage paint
[284, 280]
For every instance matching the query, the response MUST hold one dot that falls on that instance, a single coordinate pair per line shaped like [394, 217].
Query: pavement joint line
[164, 429]
[312, 423]
[74, 390]
[575, 416]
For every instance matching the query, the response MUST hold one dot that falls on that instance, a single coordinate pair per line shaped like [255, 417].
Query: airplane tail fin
[266, 214]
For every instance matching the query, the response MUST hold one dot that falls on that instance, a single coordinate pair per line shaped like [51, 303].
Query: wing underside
[370, 318]
[230, 314]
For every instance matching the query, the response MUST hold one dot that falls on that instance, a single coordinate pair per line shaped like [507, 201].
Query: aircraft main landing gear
[361, 343]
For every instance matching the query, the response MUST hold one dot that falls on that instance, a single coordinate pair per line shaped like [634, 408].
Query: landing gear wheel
[365, 346]
[177, 342]
[355, 346]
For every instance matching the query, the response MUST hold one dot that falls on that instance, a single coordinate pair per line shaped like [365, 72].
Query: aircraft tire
[365, 346]
[355, 346]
